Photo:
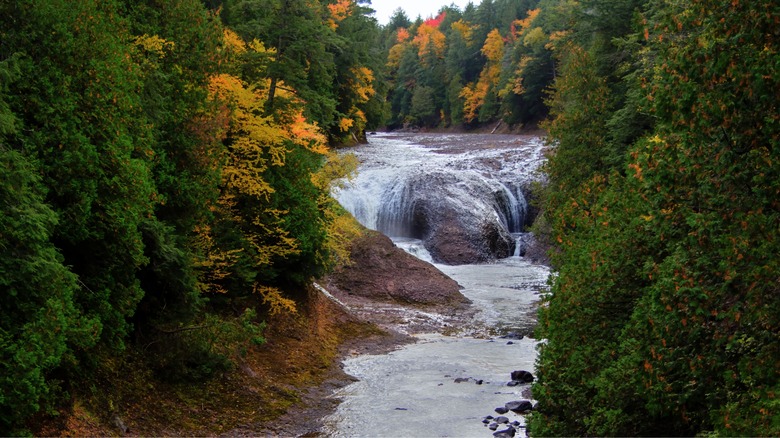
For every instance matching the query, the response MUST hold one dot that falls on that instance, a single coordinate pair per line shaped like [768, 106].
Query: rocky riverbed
[403, 296]
[453, 336]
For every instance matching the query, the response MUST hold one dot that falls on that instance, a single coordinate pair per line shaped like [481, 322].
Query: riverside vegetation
[166, 169]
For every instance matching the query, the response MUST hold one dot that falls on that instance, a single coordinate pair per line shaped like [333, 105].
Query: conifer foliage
[663, 200]
[159, 172]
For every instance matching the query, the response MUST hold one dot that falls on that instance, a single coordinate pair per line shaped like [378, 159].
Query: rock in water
[501, 410]
[522, 376]
[520, 406]
[507, 433]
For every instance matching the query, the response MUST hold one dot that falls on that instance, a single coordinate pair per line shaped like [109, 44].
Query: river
[446, 384]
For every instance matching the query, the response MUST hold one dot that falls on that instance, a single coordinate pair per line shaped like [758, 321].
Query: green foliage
[662, 319]
[459, 69]
[38, 317]
[197, 352]
[137, 175]
[79, 109]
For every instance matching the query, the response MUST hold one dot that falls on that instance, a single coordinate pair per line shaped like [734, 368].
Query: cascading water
[408, 190]
[446, 385]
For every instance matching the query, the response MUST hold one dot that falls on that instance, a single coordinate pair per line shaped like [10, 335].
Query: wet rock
[502, 420]
[510, 343]
[507, 433]
[514, 383]
[520, 406]
[501, 410]
[486, 420]
[493, 426]
[515, 423]
[513, 335]
[455, 239]
[522, 376]
[375, 275]
[462, 379]
[480, 381]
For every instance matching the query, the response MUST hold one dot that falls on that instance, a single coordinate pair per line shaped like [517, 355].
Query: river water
[445, 385]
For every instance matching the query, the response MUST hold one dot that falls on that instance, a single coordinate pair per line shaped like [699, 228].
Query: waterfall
[406, 190]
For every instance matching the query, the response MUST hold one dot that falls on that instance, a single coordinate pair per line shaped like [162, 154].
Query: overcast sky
[425, 8]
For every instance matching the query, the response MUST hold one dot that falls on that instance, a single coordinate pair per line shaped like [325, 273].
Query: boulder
[520, 406]
[452, 242]
[375, 275]
[507, 433]
[522, 376]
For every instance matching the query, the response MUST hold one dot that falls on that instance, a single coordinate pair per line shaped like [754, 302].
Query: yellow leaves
[493, 49]
[657, 139]
[362, 84]
[472, 101]
[345, 124]
[273, 298]
[259, 47]
[154, 44]
[535, 38]
[465, 30]
[395, 55]
[215, 263]
[233, 42]
[256, 142]
[516, 84]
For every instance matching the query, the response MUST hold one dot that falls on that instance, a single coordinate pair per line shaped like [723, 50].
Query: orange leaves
[307, 134]
[338, 12]
[429, 40]
[403, 35]
[637, 170]
[519, 27]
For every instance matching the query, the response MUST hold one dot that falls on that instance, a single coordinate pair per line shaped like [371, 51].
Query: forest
[167, 166]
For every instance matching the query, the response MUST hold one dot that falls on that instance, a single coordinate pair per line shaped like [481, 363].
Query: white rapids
[444, 385]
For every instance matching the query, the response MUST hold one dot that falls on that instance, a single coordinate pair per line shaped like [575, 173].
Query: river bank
[285, 386]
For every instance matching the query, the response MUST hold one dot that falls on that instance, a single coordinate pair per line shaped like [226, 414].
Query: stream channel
[445, 384]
